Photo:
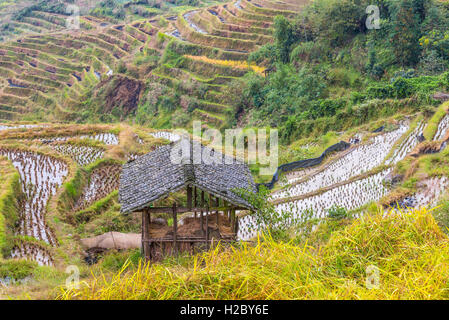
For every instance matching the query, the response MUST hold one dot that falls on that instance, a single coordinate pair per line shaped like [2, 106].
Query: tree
[406, 31]
[283, 34]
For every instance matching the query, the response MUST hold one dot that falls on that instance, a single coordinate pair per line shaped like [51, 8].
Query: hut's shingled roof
[153, 176]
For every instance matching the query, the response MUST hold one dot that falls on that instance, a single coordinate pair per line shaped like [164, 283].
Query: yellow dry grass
[408, 250]
[228, 63]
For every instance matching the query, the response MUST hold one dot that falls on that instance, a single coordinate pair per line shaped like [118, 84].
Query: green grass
[9, 193]
[16, 269]
[432, 126]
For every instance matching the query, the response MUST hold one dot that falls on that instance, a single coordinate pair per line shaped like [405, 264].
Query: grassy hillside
[207, 60]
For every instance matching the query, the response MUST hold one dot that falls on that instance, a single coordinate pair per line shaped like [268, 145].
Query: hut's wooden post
[217, 204]
[195, 202]
[207, 228]
[189, 197]
[146, 234]
[209, 204]
[175, 228]
[227, 210]
[233, 220]
[236, 227]
[202, 206]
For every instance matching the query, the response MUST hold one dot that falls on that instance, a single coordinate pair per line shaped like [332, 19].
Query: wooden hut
[208, 209]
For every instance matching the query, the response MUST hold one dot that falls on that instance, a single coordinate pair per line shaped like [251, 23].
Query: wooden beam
[207, 230]
[175, 229]
[233, 220]
[189, 197]
[201, 221]
[217, 204]
[195, 203]
[146, 234]
[184, 209]
[202, 204]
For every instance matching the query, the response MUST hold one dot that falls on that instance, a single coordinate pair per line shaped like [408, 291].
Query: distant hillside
[185, 62]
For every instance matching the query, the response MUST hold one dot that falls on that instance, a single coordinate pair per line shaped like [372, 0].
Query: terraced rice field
[82, 155]
[40, 177]
[44, 164]
[171, 136]
[411, 141]
[51, 69]
[353, 179]
[434, 188]
[442, 128]
[361, 159]
[350, 179]
[102, 182]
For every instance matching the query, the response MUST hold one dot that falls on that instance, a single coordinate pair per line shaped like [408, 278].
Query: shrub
[338, 213]
[16, 269]
[327, 107]
[379, 91]
[266, 54]
[311, 52]
[116, 260]
[402, 88]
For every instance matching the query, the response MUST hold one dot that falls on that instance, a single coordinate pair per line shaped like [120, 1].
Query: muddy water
[102, 182]
[193, 25]
[237, 5]
[21, 126]
[407, 145]
[222, 20]
[173, 137]
[40, 177]
[82, 155]
[443, 126]
[430, 192]
[106, 138]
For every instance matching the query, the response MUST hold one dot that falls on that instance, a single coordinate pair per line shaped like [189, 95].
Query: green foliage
[441, 214]
[434, 121]
[265, 55]
[326, 107]
[310, 52]
[180, 118]
[283, 35]
[122, 67]
[338, 21]
[338, 213]
[115, 260]
[432, 63]
[405, 30]
[16, 269]
[96, 208]
[9, 206]
[109, 8]
[287, 92]
[71, 190]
